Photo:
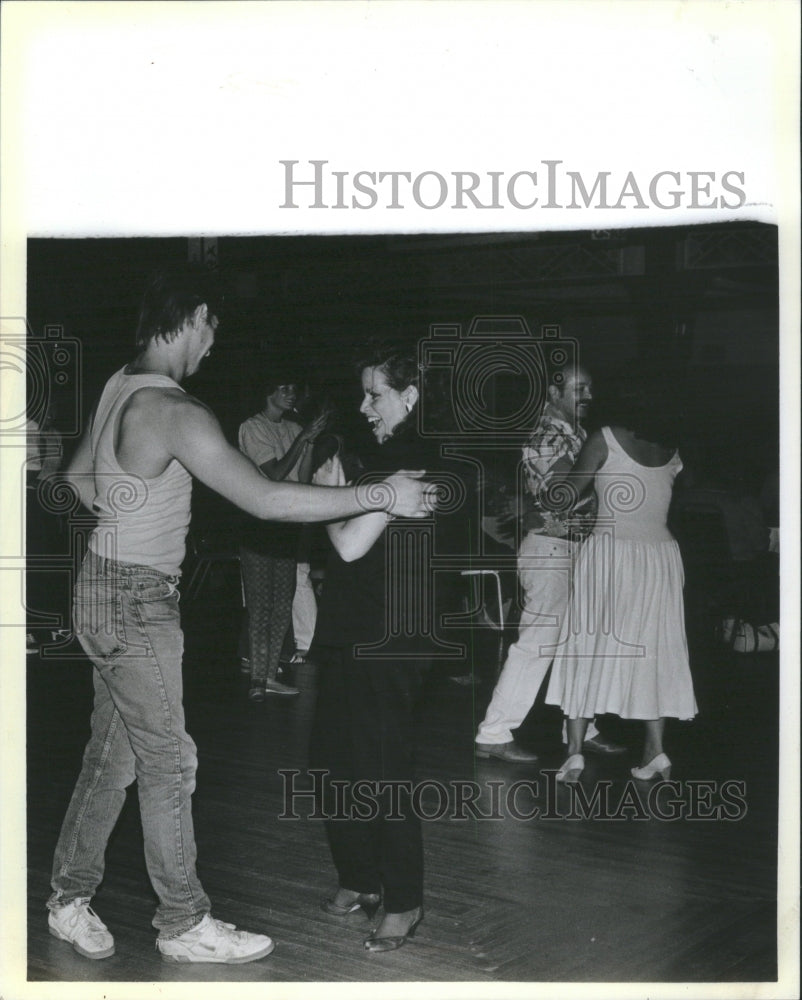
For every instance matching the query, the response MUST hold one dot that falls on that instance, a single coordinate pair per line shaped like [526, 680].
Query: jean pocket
[155, 603]
[99, 625]
[153, 589]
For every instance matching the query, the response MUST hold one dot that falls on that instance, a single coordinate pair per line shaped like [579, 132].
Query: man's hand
[409, 497]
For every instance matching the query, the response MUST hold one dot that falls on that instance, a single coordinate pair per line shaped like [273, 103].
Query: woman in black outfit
[364, 727]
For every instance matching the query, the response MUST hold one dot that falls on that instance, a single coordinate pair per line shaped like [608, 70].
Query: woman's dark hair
[648, 402]
[282, 375]
[171, 297]
[396, 359]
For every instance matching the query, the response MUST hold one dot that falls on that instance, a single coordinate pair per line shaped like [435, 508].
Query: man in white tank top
[133, 469]
[544, 567]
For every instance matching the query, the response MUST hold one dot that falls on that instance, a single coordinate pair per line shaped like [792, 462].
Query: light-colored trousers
[304, 604]
[545, 567]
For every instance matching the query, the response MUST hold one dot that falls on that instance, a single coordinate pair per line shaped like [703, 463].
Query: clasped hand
[410, 496]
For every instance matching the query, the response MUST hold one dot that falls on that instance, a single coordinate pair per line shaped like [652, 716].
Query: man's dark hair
[171, 297]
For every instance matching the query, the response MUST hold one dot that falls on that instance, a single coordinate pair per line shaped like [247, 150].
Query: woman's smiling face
[383, 406]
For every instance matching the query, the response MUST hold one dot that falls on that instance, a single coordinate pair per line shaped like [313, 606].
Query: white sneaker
[82, 927]
[215, 941]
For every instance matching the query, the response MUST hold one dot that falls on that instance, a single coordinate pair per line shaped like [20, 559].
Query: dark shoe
[602, 746]
[276, 687]
[369, 902]
[506, 751]
[257, 693]
[375, 943]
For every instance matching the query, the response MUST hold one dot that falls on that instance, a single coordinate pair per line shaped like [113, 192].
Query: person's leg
[129, 626]
[256, 581]
[364, 731]
[654, 761]
[146, 685]
[304, 609]
[108, 761]
[304, 604]
[576, 729]
[544, 566]
[653, 742]
[282, 588]
[574, 763]
[395, 690]
[343, 708]
[244, 642]
[99, 795]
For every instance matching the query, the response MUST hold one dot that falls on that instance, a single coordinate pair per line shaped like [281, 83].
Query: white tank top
[632, 497]
[141, 521]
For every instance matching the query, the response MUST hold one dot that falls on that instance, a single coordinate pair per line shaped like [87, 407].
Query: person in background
[282, 451]
[304, 603]
[545, 558]
[622, 648]
[761, 634]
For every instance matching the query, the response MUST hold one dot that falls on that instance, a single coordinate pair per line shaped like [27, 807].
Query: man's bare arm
[193, 436]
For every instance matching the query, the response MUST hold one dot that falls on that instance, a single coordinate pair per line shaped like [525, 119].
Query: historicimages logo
[525, 800]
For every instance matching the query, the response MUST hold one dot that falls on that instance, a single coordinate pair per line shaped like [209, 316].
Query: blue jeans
[127, 620]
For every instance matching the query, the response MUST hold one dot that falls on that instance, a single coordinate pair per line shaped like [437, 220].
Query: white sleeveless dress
[623, 648]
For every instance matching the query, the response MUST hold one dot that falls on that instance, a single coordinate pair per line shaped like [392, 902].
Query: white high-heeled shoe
[657, 765]
[571, 769]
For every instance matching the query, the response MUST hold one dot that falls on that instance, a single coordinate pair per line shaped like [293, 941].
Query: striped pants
[269, 583]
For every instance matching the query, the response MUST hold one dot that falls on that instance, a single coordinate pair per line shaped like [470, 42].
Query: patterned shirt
[553, 439]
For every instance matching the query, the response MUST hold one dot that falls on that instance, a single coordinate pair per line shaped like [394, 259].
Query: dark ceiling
[701, 297]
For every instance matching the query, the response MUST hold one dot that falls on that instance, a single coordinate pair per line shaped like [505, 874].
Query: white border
[149, 119]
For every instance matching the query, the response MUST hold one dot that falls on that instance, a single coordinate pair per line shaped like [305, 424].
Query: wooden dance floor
[623, 896]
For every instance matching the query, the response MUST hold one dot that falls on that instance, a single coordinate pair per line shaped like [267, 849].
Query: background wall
[702, 300]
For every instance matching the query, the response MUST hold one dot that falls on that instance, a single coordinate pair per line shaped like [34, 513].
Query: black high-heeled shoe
[369, 902]
[374, 943]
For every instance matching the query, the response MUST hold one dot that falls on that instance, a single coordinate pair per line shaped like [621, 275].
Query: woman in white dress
[622, 648]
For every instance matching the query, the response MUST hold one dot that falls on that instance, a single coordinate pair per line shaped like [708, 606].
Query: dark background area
[700, 300]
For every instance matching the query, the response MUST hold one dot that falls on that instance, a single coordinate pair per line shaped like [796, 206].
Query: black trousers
[364, 732]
